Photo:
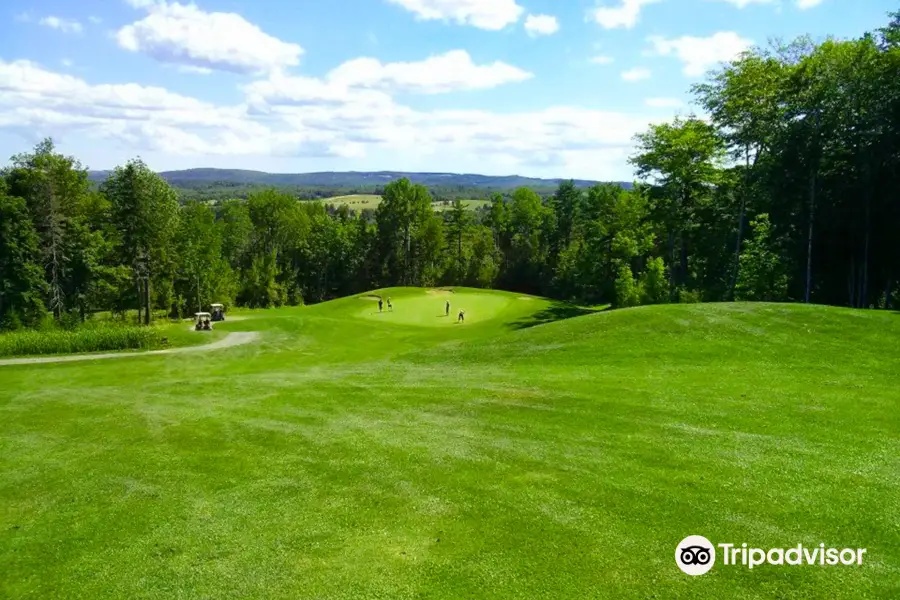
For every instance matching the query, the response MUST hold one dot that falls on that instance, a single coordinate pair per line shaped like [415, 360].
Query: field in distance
[536, 450]
[371, 201]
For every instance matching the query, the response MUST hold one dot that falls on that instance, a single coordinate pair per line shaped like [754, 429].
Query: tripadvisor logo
[696, 555]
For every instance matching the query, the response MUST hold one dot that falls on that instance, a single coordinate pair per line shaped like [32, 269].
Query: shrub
[628, 292]
[84, 339]
[686, 296]
[654, 285]
[762, 276]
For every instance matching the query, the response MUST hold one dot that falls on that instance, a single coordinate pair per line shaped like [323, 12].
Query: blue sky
[552, 88]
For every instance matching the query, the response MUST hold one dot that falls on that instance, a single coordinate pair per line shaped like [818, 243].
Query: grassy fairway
[469, 204]
[353, 455]
[356, 201]
[371, 201]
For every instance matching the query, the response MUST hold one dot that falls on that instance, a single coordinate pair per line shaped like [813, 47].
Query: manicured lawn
[429, 309]
[354, 455]
[469, 204]
[371, 201]
[356, 201]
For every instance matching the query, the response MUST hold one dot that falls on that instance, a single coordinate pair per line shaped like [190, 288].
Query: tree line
[220, 191]
[786, 192]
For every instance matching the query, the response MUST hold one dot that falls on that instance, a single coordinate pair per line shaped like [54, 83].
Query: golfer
[380, 304]
[462, 316]
[447, 308]
[390, 306]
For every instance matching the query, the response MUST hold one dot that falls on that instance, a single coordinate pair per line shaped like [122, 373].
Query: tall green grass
[97, 338]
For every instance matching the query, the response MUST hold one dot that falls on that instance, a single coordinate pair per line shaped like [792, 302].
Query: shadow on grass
[558, 311]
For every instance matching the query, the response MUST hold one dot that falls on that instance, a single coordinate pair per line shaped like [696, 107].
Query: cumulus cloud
[537, 25]
[447, 72]
[699, 54]
[624, 14]
[601, 59]
[491, 15]
[636, 74]
[64, 25]
[184, 34]
[285, 116]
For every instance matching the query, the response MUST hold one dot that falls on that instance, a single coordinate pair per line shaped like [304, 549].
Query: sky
[544, 88]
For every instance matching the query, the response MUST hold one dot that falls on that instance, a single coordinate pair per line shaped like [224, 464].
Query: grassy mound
[532, 454]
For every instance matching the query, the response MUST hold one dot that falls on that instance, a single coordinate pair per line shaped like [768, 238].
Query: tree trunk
[671, 243]
[809, 247]
[740, 232]
[140, 297]
[812, 208]
[887, 293]
[851, 283]
[147, 300]
[864, 292]
[459, 261]
[406, 259]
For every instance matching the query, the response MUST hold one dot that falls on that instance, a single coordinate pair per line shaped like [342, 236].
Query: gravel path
[235, 338]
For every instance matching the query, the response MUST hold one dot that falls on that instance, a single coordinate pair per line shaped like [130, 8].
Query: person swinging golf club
[462, 316]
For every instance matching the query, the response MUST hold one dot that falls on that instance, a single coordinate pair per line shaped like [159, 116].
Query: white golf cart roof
[217, 305]
[203, 314]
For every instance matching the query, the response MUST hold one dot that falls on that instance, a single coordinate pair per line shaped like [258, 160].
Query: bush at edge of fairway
[87, 339]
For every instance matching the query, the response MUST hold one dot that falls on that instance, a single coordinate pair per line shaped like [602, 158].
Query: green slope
[354, 456]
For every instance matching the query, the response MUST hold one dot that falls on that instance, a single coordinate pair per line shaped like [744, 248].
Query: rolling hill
[203, 177]
[356, 453]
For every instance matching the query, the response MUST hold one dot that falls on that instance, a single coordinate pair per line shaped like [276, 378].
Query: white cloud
[194, 70]
[64, 25]
[624, 15]
[745, 3]
[664, 102]
[804, 4]
[636, 74]
[295, 117]
[186, 35]
[492, 15]
[701, 54]
[537, 25]
[602, 59]
[95, 20]
[447, 72]
[66, 62]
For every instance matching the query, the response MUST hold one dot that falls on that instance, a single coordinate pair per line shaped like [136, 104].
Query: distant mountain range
[201, 177]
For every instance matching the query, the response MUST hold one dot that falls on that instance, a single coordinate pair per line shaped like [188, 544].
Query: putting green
[427, 307]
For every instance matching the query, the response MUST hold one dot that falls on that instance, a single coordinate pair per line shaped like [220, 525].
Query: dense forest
[787, 191]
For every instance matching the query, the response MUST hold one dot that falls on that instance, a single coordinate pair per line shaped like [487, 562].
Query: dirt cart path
[236, 338]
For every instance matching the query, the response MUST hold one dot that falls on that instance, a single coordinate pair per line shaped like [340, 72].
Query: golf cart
[203, 323]
[218, 312]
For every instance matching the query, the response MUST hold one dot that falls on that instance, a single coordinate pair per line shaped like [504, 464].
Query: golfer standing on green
[447, 308]
[380, 303]
[462, 316]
